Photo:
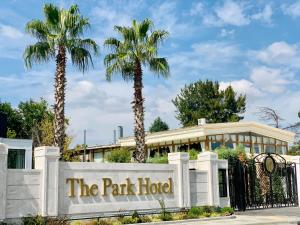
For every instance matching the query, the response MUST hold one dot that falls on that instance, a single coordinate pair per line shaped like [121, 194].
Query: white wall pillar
[3, 176]
[209, 161]
[47, 160]
[181, 159]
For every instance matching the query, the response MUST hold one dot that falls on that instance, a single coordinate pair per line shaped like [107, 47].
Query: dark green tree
[204, 99]
[158, 125]
[14, 119]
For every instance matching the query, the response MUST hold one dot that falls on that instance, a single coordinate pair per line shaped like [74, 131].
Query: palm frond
[128, 33]
[81, 58]
[157, 36]
[112, 43]
[38, 29]
[144, 27]
[52, 15]
[159, 66]
[39, 52]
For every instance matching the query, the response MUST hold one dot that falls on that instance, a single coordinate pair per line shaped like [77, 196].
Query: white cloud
[279, 53]
[243, 86]
[227, 33]
[265, 15]
[271, 80]
[232, 13]
[292, 10]
[197, 9]
[10, 32]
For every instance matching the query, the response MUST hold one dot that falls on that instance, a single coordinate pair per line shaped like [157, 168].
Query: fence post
[47, 160]
[209, 161]
[296, 160]
[3, 179]
[181, 159]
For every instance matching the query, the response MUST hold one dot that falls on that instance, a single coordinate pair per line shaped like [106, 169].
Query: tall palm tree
[59, 34]
[137, 47]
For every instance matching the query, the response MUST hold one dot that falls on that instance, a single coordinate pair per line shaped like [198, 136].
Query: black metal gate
[267, 180]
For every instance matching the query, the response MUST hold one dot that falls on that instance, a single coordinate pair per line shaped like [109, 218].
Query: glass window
[266, 140]
[16, 159]
[222, 183]
[98, 157]
[215, 145]
[272, 141]
[241, 138]
[257, 148]
[259, 139]
[247, 138]
[219, 137]
[270, 148]
[233, 137]
[253, 139]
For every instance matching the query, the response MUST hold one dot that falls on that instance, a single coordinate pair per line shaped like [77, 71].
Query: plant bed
[200, 213]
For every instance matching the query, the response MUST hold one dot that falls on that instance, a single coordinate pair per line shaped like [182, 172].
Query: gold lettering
[142, 185]
[159, 184]
[115, 188]
[153, 188]
[94, 190]
[72, 187]
[129, 187]
[106, 183]
[84, 188]
[123, 186]
[165, 188]
[171, 185]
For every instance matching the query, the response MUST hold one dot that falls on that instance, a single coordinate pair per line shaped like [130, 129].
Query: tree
[204, 99]
[14, 120]
[137, 47]
[270, 115]
[158, 125]
[60, 32]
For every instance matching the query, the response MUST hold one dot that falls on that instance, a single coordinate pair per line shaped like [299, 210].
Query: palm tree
[61, 32]
[138, 47]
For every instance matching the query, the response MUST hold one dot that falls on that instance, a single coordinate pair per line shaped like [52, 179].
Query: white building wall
[25, 144]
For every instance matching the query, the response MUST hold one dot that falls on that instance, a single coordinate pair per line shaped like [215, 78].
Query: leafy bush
[193, 154]
[39, 220]
[206, 214]
[158, 159]
[229, 153]
[227, 211]
[121, 155]
[33, 220]
[164, 216]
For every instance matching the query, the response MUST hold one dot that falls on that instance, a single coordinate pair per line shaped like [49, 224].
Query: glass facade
[16, 159]
[252, 142]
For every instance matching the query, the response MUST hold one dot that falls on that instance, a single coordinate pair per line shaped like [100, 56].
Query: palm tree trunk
[59, 107]
[138, 109]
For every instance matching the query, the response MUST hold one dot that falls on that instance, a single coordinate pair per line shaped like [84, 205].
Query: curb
[189, 220]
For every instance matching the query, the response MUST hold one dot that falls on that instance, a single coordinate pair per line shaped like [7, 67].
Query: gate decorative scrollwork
[267, 180]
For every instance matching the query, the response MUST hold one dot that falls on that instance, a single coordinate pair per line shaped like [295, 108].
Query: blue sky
[252, 45]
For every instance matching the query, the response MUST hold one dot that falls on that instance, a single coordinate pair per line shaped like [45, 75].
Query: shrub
[33, 220]
[129, 220]
[104, 222]
[39, 220]
[197, 211]
[228, 153]
[227, 211]
[158, 159]
[193, 154]
[121, 155]
[164, 216]
[206, 214]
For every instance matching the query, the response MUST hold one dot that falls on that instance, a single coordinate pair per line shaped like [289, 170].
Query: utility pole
[84, 144]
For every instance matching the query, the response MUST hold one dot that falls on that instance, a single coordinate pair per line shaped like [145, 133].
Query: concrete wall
[77, 190]
[22, 193]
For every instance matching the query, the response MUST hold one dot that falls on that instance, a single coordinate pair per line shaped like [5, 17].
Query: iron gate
[265, 181]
